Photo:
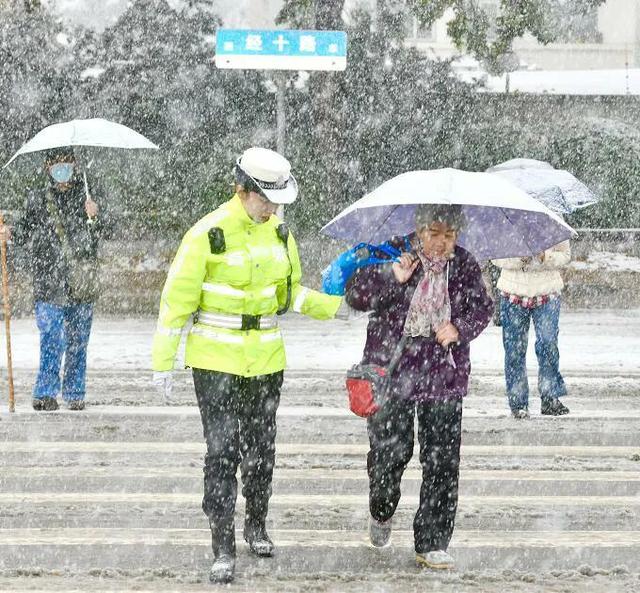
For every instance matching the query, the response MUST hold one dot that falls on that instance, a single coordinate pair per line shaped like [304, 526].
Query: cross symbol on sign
[281, 42]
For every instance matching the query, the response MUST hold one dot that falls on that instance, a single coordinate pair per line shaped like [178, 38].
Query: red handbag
[368, 384]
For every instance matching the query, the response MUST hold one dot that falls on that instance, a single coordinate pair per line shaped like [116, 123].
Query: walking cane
[7, 317]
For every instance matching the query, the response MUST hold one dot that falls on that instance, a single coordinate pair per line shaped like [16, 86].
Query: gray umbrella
[521, 164]
[557, 189]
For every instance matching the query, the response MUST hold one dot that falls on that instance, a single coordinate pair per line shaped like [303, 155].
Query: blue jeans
[515, 337]
[63, 330]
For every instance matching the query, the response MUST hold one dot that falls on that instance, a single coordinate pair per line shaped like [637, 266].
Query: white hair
[449, 214]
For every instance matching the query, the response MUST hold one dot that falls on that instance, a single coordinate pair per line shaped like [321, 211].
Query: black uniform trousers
[391, 438]
[239, 422]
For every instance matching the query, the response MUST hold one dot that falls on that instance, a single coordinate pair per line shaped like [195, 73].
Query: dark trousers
[239, 422]
[391, 437]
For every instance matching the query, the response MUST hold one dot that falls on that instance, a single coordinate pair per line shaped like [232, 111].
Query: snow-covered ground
[109, 499]
[608, 260]
[563, 82]
[590, 341]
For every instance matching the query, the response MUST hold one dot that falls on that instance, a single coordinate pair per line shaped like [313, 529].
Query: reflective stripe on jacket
[248, 278]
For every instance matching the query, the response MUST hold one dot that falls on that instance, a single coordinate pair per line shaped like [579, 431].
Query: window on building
[573, 23]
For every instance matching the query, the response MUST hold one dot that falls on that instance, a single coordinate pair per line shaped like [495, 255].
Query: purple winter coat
[424, 372]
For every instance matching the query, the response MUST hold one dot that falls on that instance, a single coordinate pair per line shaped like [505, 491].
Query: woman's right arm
[371, 288]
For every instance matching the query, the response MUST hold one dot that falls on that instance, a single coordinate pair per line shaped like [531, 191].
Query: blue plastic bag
[340, 270]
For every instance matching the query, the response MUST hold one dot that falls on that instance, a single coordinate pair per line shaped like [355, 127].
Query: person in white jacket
[530, 289]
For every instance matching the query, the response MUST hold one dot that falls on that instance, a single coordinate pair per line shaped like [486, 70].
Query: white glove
[163, 381]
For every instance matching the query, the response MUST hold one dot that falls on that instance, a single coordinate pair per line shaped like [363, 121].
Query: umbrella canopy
[85, 132]
[557, 189]
[521, 164]
[502, 220]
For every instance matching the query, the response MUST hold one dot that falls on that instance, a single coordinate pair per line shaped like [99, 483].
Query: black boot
[46, 404]
[223, 536]
[255, 534]
[553, 407]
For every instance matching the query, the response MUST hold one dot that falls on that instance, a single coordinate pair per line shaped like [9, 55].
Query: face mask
[61, 172]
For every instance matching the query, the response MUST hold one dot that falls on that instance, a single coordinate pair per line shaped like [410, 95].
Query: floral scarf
[430, 307]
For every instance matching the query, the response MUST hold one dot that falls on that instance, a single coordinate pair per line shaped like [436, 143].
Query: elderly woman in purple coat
[426, 309]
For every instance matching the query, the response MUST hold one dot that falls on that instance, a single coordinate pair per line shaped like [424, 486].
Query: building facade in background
[606, 38]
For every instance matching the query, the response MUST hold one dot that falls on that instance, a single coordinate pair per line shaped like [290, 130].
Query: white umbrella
[521, 164]
[557, 189]
[85, 132]
[502, 220]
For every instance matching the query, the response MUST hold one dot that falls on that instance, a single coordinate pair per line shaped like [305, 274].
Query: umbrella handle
[7, 318]
[86, 191]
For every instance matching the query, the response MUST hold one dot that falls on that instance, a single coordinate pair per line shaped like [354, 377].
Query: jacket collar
[237, 208]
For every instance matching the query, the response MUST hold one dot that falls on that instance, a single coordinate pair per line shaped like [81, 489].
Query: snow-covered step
[132, 448]
[316, 480]
[35, 454]
[316, 551]
[471, 411]
[158, 514]
[312, 424]
[311, 500]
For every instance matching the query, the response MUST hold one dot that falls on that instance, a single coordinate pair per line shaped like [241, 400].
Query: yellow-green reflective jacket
[248, 278]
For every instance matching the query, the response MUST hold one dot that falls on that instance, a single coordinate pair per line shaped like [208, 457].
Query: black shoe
[75, 405]
[521, 414]
[45, 404]
[255, 534]
[553, 407]
[223, 539]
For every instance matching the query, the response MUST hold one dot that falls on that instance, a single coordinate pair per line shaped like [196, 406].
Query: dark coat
[424, 372]
[35, 231]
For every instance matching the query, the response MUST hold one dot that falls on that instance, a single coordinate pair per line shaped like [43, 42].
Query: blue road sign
[280, 49]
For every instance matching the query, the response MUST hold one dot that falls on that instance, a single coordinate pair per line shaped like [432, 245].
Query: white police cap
[271, 172]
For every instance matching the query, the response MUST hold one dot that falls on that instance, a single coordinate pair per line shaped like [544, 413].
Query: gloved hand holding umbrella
[88, 133]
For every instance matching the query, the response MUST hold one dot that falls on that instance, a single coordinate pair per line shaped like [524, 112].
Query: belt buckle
[250, 322]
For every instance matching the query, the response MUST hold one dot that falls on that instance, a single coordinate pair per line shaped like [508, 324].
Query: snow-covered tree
[472, 29]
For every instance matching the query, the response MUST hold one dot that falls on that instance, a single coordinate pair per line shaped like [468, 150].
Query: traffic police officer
[236, 269]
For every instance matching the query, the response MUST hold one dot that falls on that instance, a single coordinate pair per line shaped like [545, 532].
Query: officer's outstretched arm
[180, 298]
[304, 300]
